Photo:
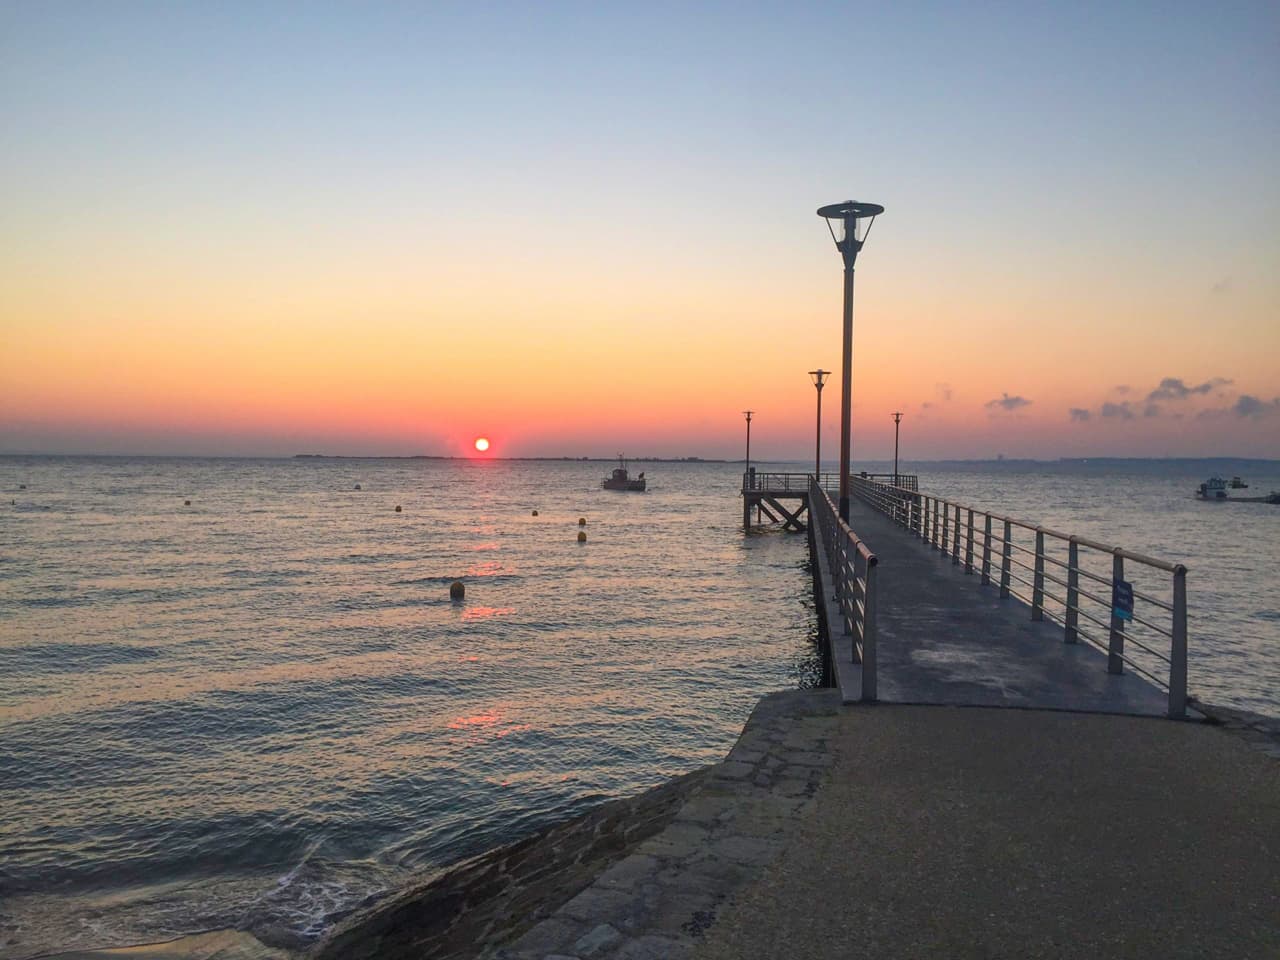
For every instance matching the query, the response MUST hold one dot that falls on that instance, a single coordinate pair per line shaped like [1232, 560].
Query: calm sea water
[258, 710]
[262, 709]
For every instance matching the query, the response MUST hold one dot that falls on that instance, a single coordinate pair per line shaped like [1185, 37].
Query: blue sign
[1122, 600]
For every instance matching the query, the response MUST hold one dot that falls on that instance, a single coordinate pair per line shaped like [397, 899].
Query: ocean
[261, 709]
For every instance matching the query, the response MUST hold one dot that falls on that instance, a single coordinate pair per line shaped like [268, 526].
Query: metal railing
[853, 576]
[775, 482]
[799, 482]
[1067, 579]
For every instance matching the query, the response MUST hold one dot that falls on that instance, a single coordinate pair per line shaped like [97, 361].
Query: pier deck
[945, 640]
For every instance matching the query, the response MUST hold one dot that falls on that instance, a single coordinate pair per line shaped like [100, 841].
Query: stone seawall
[635, 879]
[496, 896]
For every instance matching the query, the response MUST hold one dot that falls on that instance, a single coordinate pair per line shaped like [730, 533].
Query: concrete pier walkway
[944, 639]
[946, 832]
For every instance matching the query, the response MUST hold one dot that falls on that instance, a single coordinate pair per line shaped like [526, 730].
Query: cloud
[1151, 410]
[1122, 388]
[1079, 414]
[1122, 411]
[1247, 405]
[1007, 403]
[1173, 388]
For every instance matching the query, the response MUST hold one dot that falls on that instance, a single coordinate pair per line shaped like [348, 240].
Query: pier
[923, 600]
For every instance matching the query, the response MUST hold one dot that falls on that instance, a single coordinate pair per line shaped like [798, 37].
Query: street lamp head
[850, 223]
[817, 376]
[747, 414]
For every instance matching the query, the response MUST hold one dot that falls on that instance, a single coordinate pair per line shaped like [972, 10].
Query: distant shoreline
[828, 466]
[436, 456]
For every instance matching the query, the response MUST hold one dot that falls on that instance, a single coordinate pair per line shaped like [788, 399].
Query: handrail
[853, 574]
[938, 522]
[777, 482]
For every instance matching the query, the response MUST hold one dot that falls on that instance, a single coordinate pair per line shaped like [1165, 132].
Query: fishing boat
[621, 480]
[1215, 488]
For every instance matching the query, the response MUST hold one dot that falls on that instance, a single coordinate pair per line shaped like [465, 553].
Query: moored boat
[1215, 488]
[620, 479]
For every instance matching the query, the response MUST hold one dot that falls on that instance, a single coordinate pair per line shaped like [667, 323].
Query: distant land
[428, 456]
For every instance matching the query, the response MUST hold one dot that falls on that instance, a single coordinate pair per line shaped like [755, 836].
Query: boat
[1238, 484]
[1215, 488]
[621, 480]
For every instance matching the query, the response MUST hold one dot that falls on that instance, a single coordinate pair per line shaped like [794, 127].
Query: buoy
[22, 486]
[582, 521]
[582, 536]
[397, 508]
[357, 486]
[186, 503]
[456, 590]
[535, 513]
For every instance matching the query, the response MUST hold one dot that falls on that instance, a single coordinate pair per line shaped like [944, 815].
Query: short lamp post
[849, 223]
[747, 474]
[897, 419]
[817, 376]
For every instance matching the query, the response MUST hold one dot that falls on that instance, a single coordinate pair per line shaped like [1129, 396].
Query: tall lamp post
[897, 418]
[747, 414]
[817, 376]
[849, 223]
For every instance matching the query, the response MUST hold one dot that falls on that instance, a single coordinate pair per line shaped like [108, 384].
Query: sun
[482, 444]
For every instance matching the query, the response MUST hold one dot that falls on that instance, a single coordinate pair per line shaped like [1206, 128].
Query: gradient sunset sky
[578, 228]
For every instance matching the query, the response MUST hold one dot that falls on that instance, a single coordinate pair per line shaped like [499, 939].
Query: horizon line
[601, 459]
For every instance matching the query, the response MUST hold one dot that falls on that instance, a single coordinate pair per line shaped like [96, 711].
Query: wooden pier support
[766, 493]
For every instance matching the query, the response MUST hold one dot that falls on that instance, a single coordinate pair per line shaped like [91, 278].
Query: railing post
[1073, 592]
[1037, 590]
[858, 592]
[869, 635]
[986, 550]
[955, 539]
[968, 546]
[1115, 649]
[946, 523]
[1005, 556]
[1178, 650]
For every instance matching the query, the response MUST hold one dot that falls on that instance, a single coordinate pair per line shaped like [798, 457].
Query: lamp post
[747, 414]
[897, 418]
[817, 376]
[849, 231]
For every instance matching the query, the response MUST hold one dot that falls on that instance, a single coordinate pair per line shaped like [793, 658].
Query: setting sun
[482, 444]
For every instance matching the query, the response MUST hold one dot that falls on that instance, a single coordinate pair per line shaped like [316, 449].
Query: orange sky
[237, 279]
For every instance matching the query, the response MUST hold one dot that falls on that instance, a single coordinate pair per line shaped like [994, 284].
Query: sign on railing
[1074, 581]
